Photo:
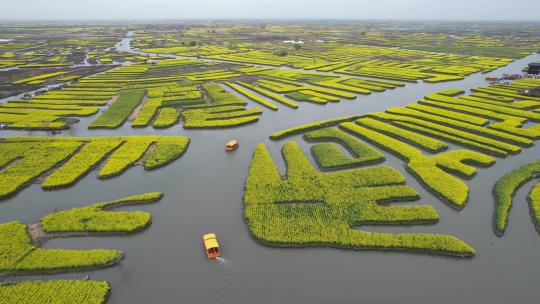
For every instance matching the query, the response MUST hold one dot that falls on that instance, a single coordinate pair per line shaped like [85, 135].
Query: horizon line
[259, 19]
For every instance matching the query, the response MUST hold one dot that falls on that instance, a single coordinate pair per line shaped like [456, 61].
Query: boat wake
[224, 262]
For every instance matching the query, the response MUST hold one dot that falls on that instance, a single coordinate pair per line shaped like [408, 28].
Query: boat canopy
[232, 143]
[210, 241]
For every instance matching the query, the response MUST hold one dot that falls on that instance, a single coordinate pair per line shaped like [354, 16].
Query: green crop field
[70, 158]
[98, 218]
[59, 291]
[311, 208]
[411, 132]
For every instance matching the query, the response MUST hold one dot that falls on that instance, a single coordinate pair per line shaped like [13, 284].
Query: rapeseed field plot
[120, 110]
[67, 159]
[370, 61]
[505, 189]
[485, 123]
[20, 255]
[99, 218]
[142, 95]
[55, 291]
[309, 208]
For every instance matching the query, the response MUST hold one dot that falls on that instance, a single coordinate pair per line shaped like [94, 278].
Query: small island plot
[21, 253]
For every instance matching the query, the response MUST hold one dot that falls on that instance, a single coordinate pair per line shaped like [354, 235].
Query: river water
[203, 193]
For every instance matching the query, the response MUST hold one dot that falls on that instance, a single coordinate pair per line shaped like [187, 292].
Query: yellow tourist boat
[232, 145]
[211, 245]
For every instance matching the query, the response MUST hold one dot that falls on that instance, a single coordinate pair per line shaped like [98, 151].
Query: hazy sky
[255, 9]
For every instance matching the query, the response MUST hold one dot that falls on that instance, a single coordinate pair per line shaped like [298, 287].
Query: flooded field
[203, 193]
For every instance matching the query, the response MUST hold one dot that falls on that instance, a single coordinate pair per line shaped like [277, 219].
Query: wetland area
[192, 68]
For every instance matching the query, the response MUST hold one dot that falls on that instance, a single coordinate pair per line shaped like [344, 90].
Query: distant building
[534, 68]
[293, 41]
[152, 61]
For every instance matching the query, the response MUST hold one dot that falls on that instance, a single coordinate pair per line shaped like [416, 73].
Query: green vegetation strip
[253, 97]
[219, 117]
[39, 77]
[21, 256]
[54, 292]
[416, 139]
[81, 163]
[312, 126]
[329, 157]
[534, 202]
[167, 117]
[270, 94]
[505, 189]
[446, 132]
[468, 127]
[434, 172]
[114, 116]
[98, 218]
[486, 106]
